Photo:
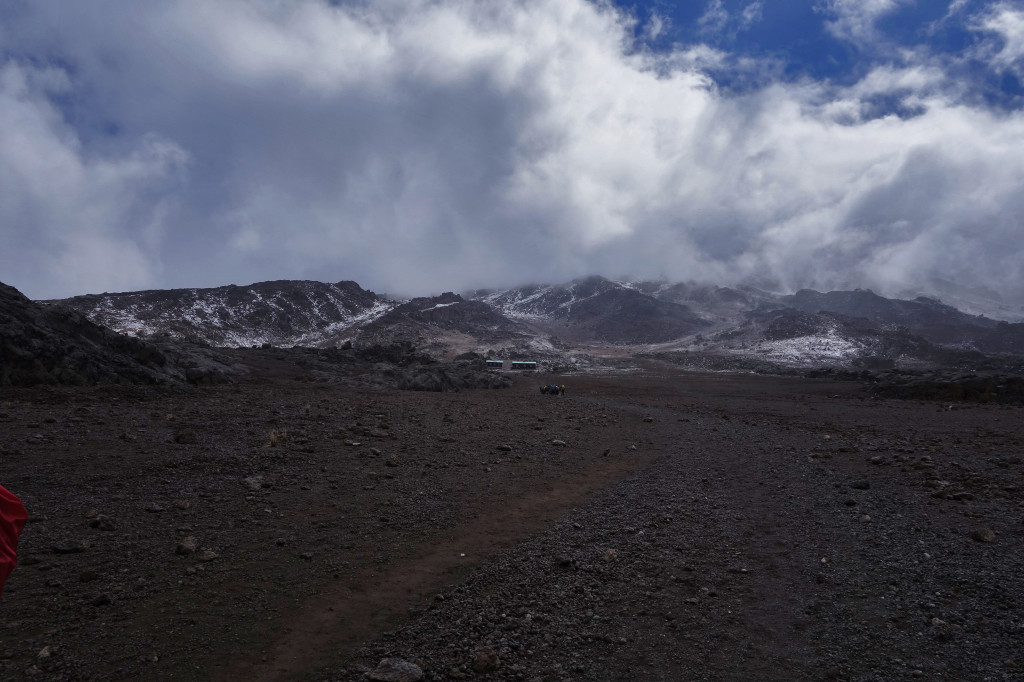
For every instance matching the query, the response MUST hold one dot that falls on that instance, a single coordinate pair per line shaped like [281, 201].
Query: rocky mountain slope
[793, 338]
[714, 303]
[56, 344]
[59, 345]
[288, 312]
[424, 319]
[596, 309]
[971, 300]
[926, 317]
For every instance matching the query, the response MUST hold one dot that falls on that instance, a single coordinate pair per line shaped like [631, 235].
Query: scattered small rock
[206, 555]
[983, 535]
[186, 546]
[862, 484]
[101, 522]
[395, 670]
[69, 547]
[186, 437]
[485, 660]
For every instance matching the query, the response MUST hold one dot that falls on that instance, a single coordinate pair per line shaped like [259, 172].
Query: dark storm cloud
[419, 146]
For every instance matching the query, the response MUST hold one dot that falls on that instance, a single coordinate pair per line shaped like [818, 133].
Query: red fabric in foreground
[12, 520]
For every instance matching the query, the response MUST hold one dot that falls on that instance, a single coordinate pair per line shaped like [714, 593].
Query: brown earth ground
[689, 527]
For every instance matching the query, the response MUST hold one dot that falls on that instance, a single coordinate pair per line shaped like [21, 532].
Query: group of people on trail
[553, 389]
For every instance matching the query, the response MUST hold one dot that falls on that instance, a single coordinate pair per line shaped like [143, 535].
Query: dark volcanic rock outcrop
[921, 312]
[58, 345]
[950, 386]
[597, 309]
[1005, 337]
[428, 317]
[627, 316]
[926, 317]
[713, 302]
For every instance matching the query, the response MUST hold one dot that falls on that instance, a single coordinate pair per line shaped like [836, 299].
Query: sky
[418, 146]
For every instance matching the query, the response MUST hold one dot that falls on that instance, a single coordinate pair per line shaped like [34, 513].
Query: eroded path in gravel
[350, 611]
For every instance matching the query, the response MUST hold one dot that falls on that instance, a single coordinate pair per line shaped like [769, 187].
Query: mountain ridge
[592, 315]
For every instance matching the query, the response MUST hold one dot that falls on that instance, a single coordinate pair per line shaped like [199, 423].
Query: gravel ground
[779, 537]
[676, 527]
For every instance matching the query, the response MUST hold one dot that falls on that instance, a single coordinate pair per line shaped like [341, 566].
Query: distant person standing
[561, 390]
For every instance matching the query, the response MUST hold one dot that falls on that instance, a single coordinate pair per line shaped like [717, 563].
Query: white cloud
[752, 14]
[417, 146]
[656, 26]
[715, 17]
[855, 19]
[72, 219]
[1006, 21]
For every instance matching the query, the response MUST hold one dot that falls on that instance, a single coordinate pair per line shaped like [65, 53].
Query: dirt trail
[355, 609]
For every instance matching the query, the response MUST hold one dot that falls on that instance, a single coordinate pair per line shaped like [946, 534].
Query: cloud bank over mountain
[416, 146]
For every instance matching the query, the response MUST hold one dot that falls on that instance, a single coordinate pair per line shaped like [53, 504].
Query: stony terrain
[657, 526]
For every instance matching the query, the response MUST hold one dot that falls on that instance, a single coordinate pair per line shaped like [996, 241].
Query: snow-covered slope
[279, 313]
[791, 338]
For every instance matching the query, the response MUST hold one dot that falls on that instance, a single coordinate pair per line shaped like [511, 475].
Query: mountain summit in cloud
[430, 146]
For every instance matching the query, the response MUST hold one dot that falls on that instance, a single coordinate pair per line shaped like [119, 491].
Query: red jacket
[12, 520]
